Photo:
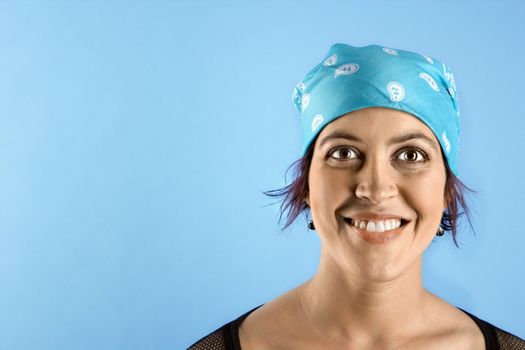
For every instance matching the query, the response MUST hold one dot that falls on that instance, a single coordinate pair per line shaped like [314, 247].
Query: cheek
[426, 195]
[328, 193]
[327, 189]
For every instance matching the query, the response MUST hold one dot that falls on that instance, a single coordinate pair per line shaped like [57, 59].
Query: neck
[343, 305]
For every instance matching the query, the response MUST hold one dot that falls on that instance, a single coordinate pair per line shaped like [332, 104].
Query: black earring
[440, 232]
[311, 225]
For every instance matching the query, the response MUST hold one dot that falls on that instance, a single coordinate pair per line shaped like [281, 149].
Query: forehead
[377, 122]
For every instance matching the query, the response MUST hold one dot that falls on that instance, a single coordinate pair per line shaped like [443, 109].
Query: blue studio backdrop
[136, 138]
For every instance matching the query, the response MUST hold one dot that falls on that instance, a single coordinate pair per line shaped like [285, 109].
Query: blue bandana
[351, 78]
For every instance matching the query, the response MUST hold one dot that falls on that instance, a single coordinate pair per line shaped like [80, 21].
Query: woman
[378, 175]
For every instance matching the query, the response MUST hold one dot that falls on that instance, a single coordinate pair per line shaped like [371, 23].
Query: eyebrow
[409, 135]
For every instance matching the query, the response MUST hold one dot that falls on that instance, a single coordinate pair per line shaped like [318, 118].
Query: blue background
[136, 138]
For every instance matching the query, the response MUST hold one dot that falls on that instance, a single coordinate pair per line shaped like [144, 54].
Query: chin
[378, 272]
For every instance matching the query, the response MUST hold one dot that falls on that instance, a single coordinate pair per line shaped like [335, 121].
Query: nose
[375, 181]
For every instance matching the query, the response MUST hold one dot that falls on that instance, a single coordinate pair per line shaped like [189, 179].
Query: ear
[446, 201]
[307, 199]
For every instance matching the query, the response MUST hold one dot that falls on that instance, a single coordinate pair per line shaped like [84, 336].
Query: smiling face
[379, 175]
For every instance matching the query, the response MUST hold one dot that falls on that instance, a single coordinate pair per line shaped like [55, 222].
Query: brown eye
[413, 156]
[341, 153]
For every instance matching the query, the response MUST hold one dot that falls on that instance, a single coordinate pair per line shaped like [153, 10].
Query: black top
[227, 336]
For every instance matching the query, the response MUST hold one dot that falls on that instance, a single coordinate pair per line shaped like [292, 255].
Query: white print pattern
[304, 102]
[446, 141]
[396, 91]
[299, 88]
[346, 69]
[431, 82]
[451, 92]
[330, 61]
[294, 94]
[390, 51]
[318, 120]
[450, 76]
[429, 59]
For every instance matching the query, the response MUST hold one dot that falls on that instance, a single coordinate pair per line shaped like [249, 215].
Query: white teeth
[377, 226]
[394, 223]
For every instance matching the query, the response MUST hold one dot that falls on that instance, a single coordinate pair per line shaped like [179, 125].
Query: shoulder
[224, 338]
[497, 338]
[215, 340]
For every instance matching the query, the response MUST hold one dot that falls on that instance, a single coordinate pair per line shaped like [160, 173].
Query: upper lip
[375, 216]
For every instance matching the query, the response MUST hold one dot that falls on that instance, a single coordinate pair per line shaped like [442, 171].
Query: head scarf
[351, 78]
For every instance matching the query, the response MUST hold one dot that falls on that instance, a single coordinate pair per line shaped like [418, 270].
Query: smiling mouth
[376, 236]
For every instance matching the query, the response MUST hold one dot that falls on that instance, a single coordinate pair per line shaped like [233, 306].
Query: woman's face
[381, 175]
